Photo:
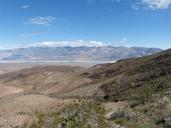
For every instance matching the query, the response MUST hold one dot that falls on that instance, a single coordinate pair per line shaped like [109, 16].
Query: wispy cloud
[147, 4]
[41, 20]
[29, 35]
[26, 6]
[157, 4]
[76, 43]
[122, 42]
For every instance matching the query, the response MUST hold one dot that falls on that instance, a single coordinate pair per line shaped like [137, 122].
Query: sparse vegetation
[85, 114]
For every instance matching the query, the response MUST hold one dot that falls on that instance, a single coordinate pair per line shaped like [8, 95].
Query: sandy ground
[2, 72]
[12, 66]
[6, 90]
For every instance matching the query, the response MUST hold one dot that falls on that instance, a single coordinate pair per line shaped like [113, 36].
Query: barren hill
[142, 80]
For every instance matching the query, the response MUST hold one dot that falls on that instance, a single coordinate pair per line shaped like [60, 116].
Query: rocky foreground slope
[144, 84]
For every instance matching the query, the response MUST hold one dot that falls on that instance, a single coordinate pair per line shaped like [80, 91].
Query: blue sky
[145, 23]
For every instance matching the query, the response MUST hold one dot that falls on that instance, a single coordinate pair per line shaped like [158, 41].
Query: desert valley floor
[27, 87]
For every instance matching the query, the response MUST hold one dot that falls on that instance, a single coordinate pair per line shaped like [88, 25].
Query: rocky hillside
[144, 84]
[125, 77]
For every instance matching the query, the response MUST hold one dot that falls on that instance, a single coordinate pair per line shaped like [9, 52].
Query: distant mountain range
[68, 53]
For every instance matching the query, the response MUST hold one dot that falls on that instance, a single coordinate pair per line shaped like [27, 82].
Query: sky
[141, 23]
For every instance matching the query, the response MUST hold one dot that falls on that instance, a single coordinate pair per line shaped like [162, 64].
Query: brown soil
[6, 90]
[23, 91]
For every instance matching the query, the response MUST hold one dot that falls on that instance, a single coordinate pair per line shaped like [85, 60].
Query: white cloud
[26, 6]
[157, 4]
[77, 43]
[29, 34]
[42, 20]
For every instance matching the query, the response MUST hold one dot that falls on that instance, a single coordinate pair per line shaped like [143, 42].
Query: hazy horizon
[71, 44]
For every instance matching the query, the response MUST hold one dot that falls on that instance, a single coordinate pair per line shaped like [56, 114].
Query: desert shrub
[142, 95]
[78, 115]
[153, 113]
[133, 123]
